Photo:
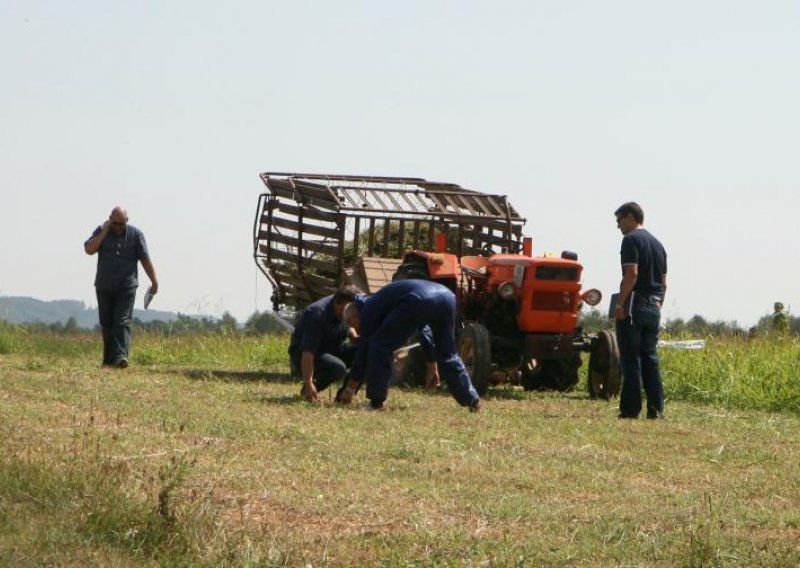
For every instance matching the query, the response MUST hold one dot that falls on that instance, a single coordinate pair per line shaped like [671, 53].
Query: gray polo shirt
[118, 259]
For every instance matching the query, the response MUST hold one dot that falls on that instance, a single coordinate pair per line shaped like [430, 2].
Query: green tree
[594, 320]
[262, 323]
[697, 326]
[228, 323]
[675, 328]
[71, 326]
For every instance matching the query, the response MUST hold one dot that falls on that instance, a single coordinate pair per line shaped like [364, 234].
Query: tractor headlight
[592, 297]
[506, 290]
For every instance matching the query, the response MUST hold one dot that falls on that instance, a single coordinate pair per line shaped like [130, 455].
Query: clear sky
[570, 108]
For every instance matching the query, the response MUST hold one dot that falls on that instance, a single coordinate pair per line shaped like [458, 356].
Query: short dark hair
[632, 208]
[346, 294]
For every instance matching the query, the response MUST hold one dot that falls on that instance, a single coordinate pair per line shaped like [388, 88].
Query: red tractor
[518, 318]
[518, 312]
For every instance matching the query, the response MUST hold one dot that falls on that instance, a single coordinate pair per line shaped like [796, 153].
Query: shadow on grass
[511, 393]
[505, 392]
[281, 400]
[229, 375]
[508, 393]
[326, 399]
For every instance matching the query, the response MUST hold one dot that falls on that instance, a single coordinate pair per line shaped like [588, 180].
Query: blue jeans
[115, 308]
[637, 338]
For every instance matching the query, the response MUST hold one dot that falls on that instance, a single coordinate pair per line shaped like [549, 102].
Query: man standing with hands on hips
[638, 313]
[119, 247]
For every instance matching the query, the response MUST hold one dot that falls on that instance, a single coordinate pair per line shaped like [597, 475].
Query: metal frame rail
[310, 228]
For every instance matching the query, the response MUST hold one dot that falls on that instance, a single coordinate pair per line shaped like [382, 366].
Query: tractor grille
[564, 273]
[552, 301]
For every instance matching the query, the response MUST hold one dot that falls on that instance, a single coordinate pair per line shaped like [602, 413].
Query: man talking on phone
[119, 248]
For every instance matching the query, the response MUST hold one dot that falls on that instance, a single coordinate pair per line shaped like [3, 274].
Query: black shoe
[376, 406]
[655, 415]
[475, 406]
[121, 363]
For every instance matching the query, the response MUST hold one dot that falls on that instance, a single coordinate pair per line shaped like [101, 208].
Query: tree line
[266, 323]
[259, 323]
[697, 326]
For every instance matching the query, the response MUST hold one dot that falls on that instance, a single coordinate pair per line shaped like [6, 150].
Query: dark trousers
[637, 337]
[329, 368]
[115, 308]
[408, 317]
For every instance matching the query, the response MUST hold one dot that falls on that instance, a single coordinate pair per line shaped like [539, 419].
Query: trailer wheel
[553, 374]
[603, 377]
[475, 350]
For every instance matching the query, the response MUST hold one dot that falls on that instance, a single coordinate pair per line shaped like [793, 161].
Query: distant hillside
[19, 309]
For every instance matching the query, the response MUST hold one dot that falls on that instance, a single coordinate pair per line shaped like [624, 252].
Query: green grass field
[202, 453]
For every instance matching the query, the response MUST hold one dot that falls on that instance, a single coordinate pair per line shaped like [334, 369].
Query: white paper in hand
[148, 297]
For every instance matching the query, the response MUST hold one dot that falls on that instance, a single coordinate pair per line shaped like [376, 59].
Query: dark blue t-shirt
[317, 330]
[118, 259]
[643, 249]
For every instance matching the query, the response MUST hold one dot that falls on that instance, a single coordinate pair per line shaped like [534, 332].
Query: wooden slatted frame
[318, 206]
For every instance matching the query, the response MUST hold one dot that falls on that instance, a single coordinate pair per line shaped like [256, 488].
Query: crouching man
[319, 350]
[386, 319]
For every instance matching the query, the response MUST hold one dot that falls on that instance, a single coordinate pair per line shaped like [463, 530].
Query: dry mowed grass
[223, 465]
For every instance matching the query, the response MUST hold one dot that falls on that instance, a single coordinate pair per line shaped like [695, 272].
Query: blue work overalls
[394, 313]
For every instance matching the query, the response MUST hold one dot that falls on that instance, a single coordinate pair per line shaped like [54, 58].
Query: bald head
[119, 212]
[118, 218]
[350, 316]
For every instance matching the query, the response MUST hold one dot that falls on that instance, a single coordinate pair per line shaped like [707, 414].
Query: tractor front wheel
[603, 376]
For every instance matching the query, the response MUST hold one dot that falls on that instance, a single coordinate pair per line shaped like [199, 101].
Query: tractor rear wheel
[603, 377]
[475, 350]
